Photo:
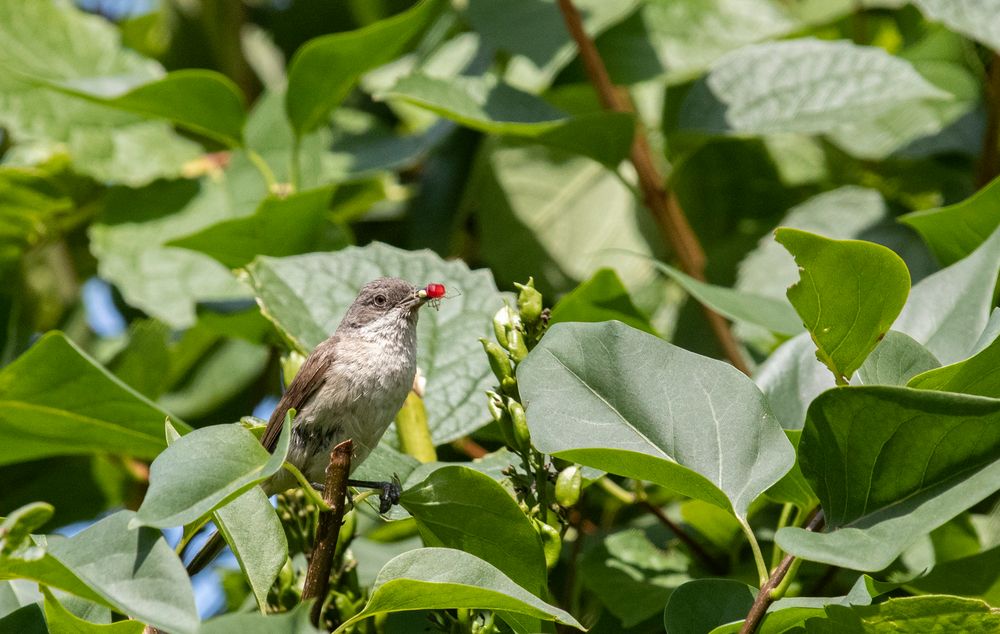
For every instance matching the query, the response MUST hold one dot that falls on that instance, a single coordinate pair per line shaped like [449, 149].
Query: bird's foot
[390, 491]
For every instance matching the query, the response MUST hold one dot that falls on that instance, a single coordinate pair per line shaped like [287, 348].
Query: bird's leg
[389, 496]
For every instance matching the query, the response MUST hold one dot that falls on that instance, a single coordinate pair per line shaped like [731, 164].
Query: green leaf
[896, 360]
[279, 227]
[488, 105]
[974, 18]
[19, 523]
[955, 231]
[601, 298]
[62, 621]
[717, 527]
[295, 621]
[442, 578]
[848, 295]
[793, 488]
[979, 374]
[28, 619]
[631, 576]
[132, 569]
[441, 504]
[306, 296]
[167, 282]
[54, 42]
[701, 605]
[679, 40]
[252, 529]
[785, 87]
[325, 68]
[535, 34]
[55, 400]
[947, 310]
[202, 101]
[614, 398]
[844, 213]
[559, 217]
[791, 378]
[890, 464]
[180, 494]
[774, 314]
[909, 615]
[971, 576]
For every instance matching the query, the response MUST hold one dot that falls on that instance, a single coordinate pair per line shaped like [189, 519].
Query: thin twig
[661, 203]
[765, 596]
[989, 160]
[317, 584]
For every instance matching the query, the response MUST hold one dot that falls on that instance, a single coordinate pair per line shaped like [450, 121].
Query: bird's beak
[417, 300]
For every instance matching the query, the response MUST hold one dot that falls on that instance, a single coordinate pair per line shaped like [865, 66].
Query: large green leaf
[61, 621]
[632, 576]
[280, 227]
[441, 505]
[295, 621]
[971, 576]
[56, 42]
[601, 298]
[701, 605]
[786, 87]
[204, 101]
[55, 400]
[909, 615]
[948, 310]
[167, 282]
[890, 464]
[896, 360]
[791, 378]
[848, 295]
[558, 217]
[485, 104]
[624, 401]
[252, 529]
[307, 295]
[955, 231]
[443, 578]
[679, 39]
[793, 488]
[229, 459]
[775, 315]
[534, 32]
[979, 374]
[324, 69]
[132, 569]
[975, 18]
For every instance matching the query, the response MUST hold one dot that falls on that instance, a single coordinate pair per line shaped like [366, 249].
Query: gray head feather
[380, 298]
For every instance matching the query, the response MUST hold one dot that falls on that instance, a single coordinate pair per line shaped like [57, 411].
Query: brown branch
[700, 553]
[317, 584]
[989, 159]
[662, 204]
[765, 597]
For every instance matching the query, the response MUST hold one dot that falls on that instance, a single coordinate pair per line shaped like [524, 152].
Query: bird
[350, 387]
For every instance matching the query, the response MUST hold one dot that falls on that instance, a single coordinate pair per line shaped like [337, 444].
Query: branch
[317, 584]
[989, 159]
[662, 204]
[766, 595]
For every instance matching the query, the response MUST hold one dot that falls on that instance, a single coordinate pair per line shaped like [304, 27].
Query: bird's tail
[208, 552]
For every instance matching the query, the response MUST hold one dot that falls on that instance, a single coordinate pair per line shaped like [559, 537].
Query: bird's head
[387, 301]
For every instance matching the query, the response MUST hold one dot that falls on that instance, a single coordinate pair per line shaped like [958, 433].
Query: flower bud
[529, 302]
[499, 361]
[522, 436]
[568, 485]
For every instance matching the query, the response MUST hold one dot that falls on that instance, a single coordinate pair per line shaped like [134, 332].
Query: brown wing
[305, 383]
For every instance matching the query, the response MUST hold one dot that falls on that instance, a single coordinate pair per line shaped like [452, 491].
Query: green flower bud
[504, 320]
[529, 302]
[515, 344]
[509, 387]
[551, 543]
[499, 413]
[522, 435]
[499, 361]
[568, 485]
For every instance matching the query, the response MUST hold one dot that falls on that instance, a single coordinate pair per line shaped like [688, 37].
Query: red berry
[434, 291]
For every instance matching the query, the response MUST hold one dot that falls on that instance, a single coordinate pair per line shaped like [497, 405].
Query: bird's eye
[380, 300]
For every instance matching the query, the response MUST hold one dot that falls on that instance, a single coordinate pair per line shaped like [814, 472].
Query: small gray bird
[351, 386]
